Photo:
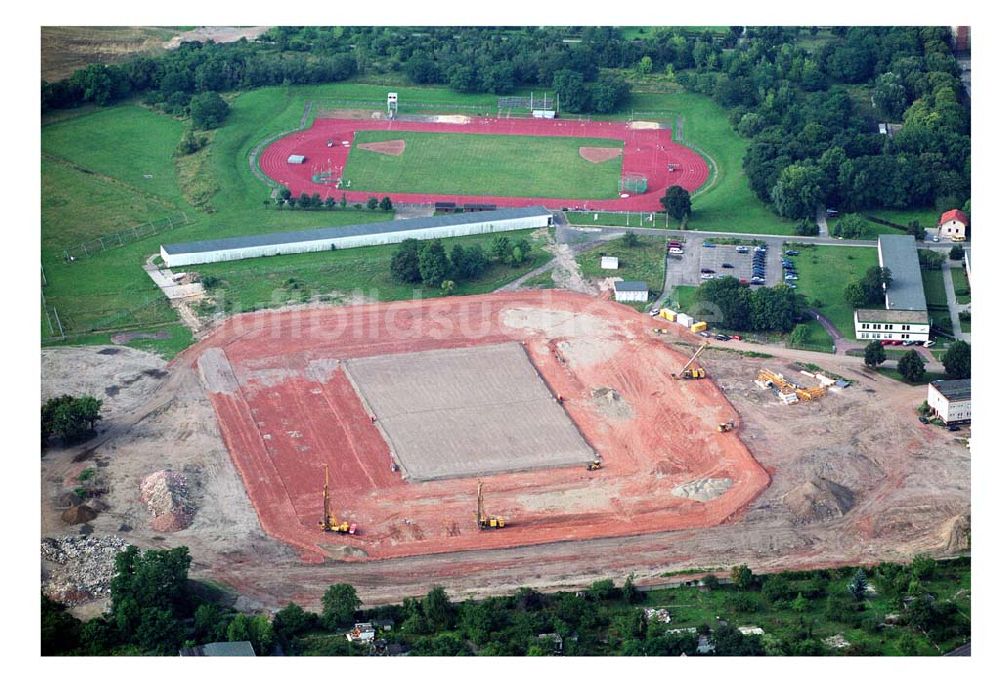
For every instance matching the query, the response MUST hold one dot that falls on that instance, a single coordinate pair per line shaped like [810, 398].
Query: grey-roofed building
[905, 316]
[951, 400]
[631, 291]
[230, 649]
[358, 235]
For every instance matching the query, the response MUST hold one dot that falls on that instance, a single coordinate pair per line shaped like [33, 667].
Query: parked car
[736, 337]
[791, 252]
[744, 281]
[653, 312]
[709, 245]
[924, 420]
[832, 212]
[936, 238]
[742, 249]
[704, 334]
[721, 337]
[928, 344]
[727, 265]
[675, 250]
[791, 285]
[757, 281]
[791, 278]
[707, 276]
[707, 270]
[952, 427]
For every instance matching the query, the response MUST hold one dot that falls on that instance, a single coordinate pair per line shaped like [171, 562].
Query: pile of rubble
[165, 494]
[81, 567]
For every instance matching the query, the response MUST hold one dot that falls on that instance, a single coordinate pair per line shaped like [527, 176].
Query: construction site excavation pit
[410, 404]
[467, 412]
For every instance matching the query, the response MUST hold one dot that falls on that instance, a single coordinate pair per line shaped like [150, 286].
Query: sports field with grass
[483, 164]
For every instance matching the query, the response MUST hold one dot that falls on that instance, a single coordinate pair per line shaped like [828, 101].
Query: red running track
[647, 151]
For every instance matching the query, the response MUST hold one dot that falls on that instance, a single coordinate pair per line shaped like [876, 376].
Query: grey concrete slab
[467, 411]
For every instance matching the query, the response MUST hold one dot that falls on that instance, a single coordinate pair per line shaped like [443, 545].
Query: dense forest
[811, 114]
[920, 608]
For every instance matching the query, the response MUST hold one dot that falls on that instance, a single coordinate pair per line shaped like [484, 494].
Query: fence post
[62, 334]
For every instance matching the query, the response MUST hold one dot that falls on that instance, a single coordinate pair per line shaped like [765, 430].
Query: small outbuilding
[609, 263]
[631, 291]
[362, 633]
[296, 159]
[953, 224]
[951, 401]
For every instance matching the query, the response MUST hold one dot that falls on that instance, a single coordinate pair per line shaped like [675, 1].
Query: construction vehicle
[686, 372]
[726, 427]
[594, 465]
[330, 523]
[659, 330]
[485, 521]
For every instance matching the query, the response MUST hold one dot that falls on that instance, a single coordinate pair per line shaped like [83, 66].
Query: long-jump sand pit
[287, 407]
[467, 411]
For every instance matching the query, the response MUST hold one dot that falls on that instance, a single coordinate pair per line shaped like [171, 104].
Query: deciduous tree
[911, 366]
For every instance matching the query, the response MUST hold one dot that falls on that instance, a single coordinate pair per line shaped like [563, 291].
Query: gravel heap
[85, 566]
[165, 494]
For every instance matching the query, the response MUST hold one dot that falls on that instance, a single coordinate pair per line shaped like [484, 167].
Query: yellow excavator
[688, 373]
[330, 523]
[485, 521]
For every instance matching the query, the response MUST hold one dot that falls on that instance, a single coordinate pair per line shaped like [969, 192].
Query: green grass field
[644, 262]
[484, 164]
[937, 300]
[823, 274]
[277, 281]
[963, 292]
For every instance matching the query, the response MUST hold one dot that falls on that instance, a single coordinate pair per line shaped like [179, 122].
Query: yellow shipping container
[699, 326]
[667, 314]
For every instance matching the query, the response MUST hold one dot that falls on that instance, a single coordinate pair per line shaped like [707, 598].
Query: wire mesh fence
[126, 236]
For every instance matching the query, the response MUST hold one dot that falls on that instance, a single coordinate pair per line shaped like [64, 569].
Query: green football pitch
[484, 164]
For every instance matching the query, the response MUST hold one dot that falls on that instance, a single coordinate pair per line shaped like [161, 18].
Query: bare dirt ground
[216, 34]
[908, 487]
[598, 155]
[67, 48]
[394, 148]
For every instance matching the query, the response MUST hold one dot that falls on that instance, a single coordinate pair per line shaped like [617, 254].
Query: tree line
[427, 262]
[744, 309]
[155, 610]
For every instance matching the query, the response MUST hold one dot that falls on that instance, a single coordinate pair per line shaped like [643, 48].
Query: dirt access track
[286, 407]
[648, 150]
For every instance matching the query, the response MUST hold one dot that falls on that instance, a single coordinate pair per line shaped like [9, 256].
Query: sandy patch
[703, 490]
[394, 147]
[453, 119]
[599, 155]
[556, 323]
[640, 124]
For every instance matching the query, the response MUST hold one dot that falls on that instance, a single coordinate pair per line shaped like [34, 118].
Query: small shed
[631, 291]
[296, 159]
[362, 633]
[609, 263]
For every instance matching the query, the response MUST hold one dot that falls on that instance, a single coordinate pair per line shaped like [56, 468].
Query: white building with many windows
[951, 400]
[904, 317]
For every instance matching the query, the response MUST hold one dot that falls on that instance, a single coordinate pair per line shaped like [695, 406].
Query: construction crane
[484, 521]
[330, 523]
[696, 373]
[726, 427]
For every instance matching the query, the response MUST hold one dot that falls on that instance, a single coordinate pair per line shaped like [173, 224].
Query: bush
[806, 228]
[956, 253]
[208, 110]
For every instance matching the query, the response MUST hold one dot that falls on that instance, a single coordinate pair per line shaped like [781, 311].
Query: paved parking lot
[686, 269]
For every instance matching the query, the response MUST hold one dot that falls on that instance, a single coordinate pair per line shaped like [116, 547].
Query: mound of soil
[703, 490]
[955, 533]
[165, 495]
[78, 514]
[69, 500]
[610, 403]
[818, 500]
[599, 155]
[394, 148]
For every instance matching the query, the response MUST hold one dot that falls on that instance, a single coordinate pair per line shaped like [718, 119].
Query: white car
[928, 344]
[936, 238]
[654, 312]
[707, 276]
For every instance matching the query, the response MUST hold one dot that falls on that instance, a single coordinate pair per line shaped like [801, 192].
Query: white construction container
[685, 320]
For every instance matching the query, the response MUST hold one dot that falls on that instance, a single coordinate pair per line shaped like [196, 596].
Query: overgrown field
[644, 262]
[484, 164]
